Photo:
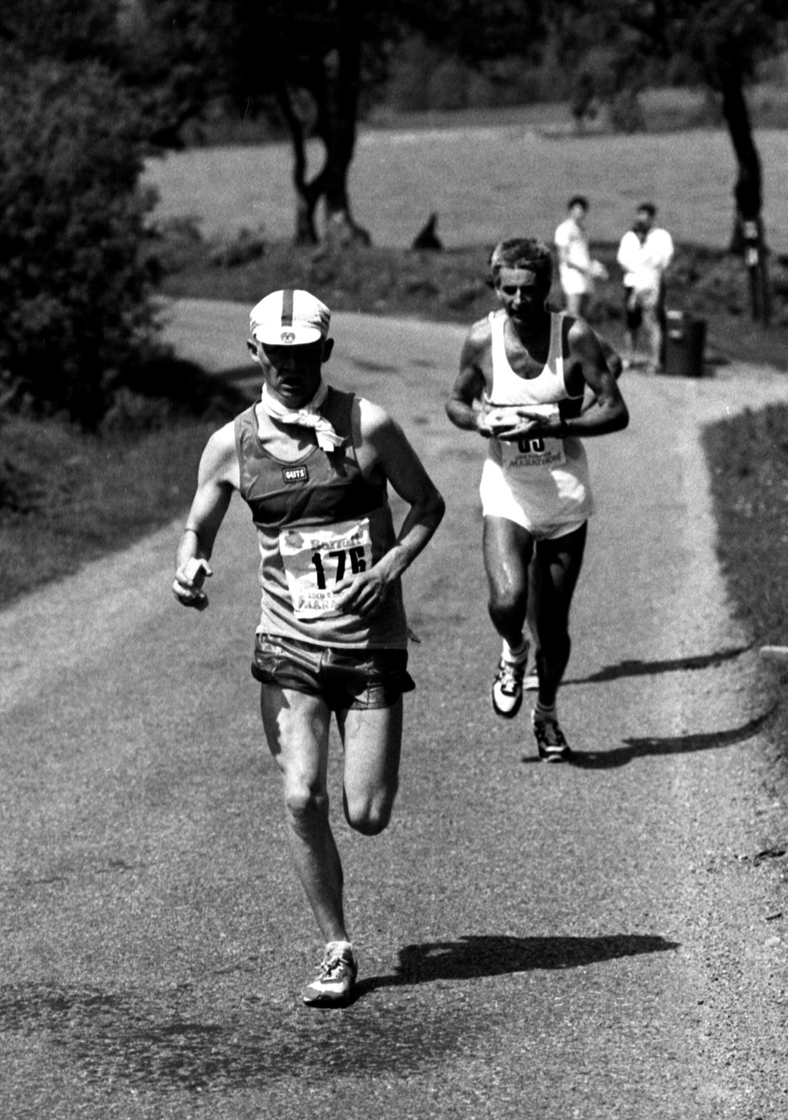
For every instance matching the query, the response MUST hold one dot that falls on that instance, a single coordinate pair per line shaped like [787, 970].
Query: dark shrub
[75, 284]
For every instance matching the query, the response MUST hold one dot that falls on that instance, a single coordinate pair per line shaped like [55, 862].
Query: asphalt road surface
[604, 940]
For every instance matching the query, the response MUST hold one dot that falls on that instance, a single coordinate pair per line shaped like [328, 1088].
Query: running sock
[341, 946]
[515, 654]
[543, 714]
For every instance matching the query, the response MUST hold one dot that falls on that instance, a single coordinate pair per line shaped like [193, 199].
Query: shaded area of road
[598, 940]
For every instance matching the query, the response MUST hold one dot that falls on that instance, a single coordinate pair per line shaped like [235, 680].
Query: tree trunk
[333, 84]
[307, 193]
[748, 234]
[342, 87]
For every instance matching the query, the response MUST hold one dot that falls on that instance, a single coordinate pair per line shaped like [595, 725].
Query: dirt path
[598, 941]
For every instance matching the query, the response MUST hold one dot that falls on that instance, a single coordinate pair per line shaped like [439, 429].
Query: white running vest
[541, 483]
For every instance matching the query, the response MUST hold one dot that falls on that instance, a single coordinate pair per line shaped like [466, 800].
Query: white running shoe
[507, 688]
[531, 680]
[333, 985]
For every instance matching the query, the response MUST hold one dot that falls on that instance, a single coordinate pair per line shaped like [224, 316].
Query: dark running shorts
[343, 678]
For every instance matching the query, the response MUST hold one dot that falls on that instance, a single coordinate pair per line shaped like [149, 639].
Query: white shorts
[574, 282]
[545, 520]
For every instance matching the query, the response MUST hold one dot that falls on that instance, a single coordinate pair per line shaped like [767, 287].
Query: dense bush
[75, 280]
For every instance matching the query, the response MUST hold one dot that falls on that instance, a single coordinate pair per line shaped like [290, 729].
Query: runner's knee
[369, 815]
[304, 802]
[507, 601]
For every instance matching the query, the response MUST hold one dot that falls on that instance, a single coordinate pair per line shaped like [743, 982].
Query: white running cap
[291, 317]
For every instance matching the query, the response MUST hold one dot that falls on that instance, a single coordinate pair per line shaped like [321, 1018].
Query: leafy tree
[61, 29]
[302, 61]
[75, 287]
[309, 55]
[311, 62]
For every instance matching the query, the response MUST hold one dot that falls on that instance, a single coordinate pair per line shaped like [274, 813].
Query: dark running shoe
[550, 740]
[333, 985]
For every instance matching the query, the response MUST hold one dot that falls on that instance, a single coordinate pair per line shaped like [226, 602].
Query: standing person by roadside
[645, 253]
[576, 270]
[524, 372]
[314, 465]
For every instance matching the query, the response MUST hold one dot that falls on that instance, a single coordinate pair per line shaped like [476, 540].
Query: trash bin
[685, 338]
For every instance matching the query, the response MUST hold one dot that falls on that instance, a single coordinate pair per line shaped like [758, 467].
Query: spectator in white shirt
[576, 270]
[645, 252]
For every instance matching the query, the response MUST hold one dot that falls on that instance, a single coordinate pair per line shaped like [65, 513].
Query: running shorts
[344, 678]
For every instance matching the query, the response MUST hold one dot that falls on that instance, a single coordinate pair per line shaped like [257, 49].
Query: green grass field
[486, 182]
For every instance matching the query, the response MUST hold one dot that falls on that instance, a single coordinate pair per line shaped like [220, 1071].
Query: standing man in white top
[576, 270]
[524, 372]
[645, 253]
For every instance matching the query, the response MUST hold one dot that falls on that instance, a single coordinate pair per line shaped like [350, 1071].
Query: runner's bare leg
[557, 567]
[372, 739]
[508, 548]
[296, 727]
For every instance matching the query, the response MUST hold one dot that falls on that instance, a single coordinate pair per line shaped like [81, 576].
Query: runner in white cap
[314, 465]
[524, 376]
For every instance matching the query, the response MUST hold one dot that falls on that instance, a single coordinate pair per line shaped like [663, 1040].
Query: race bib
[536, 452]
[316, 559]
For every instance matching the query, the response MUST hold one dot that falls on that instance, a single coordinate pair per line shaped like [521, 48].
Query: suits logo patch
[295, 474]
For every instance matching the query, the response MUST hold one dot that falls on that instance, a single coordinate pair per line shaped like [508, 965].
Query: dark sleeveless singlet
[317, 519]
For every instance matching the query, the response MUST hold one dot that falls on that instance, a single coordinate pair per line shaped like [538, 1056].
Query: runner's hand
[518, 423]
[187, 585]
[362, 594]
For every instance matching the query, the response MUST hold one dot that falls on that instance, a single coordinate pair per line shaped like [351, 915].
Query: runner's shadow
[472, 957]
[679, 744]
[635, 668]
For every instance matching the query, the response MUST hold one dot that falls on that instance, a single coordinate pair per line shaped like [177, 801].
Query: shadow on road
[490, 955]
[635, 668]
[197, 1036]
[678, 744]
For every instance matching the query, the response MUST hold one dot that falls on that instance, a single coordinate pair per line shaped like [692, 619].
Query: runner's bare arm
[217, 477]
[462, 407]
[597, 364]
[614, 364]
[385, 448]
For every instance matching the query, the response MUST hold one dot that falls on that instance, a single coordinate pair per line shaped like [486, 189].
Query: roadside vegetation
[748, 463]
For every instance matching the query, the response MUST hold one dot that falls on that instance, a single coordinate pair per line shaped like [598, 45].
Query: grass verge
[748, 463]
[452, 286]
[71, 498]
[67, 497]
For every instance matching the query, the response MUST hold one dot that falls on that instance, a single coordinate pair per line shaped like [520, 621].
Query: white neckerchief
[308, 416]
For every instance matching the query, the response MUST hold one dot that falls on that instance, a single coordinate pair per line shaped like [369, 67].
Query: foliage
[75, 286]
[61, 30]
[171, 55]
[77, 496]
[710, 34]
[479, 31]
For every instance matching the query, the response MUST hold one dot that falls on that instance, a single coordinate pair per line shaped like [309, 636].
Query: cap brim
[297, 335]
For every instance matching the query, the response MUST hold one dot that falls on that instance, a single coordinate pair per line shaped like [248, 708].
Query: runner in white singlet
[524, 373]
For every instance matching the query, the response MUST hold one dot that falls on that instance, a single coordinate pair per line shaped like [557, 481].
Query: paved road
[594, 941]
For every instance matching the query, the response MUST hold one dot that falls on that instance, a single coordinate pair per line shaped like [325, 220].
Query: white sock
[341, 946]
[515, 653]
